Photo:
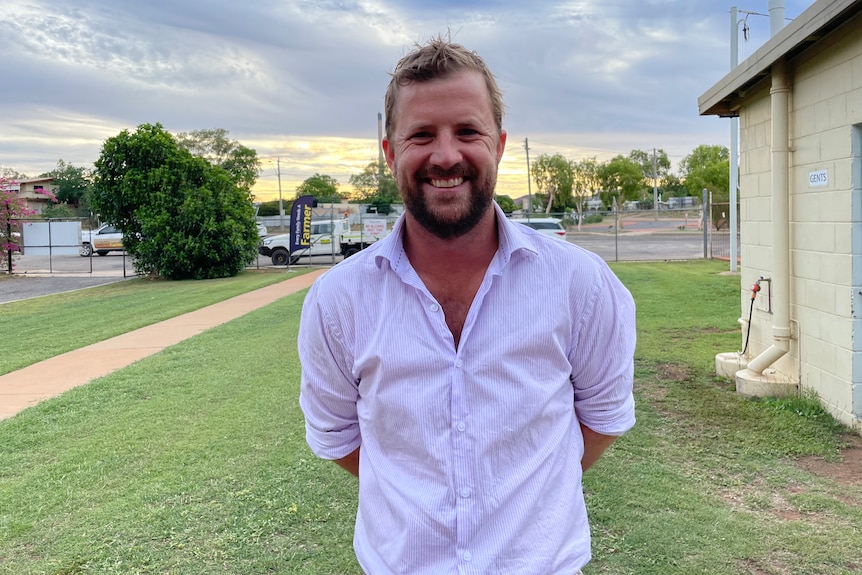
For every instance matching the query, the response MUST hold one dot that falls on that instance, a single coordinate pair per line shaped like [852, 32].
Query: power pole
[529, 186]
[280, 204]
[654, 187]
[379, 151]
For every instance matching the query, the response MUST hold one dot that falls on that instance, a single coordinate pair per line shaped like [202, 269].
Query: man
[466, 368]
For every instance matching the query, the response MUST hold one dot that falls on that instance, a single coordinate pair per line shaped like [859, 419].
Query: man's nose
[447, 151]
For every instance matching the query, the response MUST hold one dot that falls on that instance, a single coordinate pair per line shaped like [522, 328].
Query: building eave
[821, 18]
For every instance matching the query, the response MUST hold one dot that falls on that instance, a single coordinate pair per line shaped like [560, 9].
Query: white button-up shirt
[470, 459]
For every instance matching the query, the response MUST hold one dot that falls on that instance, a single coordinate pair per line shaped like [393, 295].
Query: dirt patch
[673, 372]
[847, 471]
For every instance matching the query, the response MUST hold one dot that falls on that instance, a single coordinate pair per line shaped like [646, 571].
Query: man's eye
[468, 132]
[421, 136]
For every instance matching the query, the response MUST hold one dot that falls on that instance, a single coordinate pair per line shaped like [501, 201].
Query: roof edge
[820, 18]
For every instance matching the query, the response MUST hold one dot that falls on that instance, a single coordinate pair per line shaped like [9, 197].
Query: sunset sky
[302, 81]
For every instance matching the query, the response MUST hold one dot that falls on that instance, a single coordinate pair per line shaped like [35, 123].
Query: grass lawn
[193, 461]
[47, 326]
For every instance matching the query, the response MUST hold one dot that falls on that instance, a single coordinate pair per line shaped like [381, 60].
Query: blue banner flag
[300, 223]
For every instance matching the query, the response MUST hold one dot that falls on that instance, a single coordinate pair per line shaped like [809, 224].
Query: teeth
[447, 183]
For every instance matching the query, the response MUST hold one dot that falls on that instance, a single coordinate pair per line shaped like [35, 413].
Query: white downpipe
[779, 94]
[776, 16]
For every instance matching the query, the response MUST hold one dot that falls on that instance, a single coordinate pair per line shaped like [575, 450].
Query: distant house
[799, 103]
[36, 193]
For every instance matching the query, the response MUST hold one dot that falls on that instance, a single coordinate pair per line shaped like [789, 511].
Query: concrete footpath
[32, 384]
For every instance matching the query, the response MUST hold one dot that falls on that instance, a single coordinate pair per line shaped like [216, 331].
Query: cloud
[595, 77]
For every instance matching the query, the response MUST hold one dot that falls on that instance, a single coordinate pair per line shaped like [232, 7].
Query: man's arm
[350, 462]
[594, 445]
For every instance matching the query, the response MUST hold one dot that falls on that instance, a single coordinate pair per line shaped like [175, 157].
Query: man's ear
[501, 146]
[389, 154]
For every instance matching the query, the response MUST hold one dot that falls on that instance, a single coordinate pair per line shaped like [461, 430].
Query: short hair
[439, 58]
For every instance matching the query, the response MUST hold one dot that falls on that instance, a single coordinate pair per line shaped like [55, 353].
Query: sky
[302, 81]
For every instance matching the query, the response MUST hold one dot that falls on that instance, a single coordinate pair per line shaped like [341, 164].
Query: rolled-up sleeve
[603, 357]
[328, 392]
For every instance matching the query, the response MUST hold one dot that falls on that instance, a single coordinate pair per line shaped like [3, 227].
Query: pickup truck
[105, 239]
[328, 237]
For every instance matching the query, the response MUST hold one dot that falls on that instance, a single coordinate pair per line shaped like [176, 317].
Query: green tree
[11, 174]
[73, 183]
[507, 204]
[707, 166]
[673, 186]
[620, 178]
[375, 186]
[322, 188]
[270, 208]
[585, 183]
[554, 177]
[181, 216]
[217, 148]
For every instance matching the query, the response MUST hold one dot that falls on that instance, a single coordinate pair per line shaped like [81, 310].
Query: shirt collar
[510, 236]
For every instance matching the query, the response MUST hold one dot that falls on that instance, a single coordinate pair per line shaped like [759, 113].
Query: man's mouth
[450, 183]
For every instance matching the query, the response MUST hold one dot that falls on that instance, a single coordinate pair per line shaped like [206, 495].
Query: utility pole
[654, 188]
[529, 186]
[280, 204]
[379, 151]
[734, 141]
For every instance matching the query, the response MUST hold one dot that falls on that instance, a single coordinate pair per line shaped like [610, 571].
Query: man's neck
[432, 254]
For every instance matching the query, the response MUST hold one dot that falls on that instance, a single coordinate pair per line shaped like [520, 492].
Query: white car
[547, 226]
[105, 239]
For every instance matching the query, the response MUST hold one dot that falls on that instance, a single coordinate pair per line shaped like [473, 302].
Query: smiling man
[467, 369]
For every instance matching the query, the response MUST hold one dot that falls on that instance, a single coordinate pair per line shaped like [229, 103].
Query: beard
[455, 217]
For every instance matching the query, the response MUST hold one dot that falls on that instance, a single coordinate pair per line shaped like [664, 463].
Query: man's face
[444, 152]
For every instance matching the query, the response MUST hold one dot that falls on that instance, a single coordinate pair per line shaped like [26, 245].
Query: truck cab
[325, 240]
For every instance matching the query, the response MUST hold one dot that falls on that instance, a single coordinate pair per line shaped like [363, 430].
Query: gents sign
[818, 179]
[300, 223]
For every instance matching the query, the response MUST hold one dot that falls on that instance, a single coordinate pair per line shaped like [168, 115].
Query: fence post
[9, 240]
[705, 221]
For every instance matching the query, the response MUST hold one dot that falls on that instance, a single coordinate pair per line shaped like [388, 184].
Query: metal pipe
[779, 94]
[776, 16]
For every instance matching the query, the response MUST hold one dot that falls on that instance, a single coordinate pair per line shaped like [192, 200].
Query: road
[45, 275]
[640, 247]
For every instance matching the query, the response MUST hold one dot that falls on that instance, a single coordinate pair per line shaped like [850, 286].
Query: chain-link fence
[57, 246]
[64, 246]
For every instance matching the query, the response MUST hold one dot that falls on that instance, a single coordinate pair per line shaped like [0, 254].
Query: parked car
[105, 239]
[547, 226]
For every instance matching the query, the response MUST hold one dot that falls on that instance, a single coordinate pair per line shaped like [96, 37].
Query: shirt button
[435, 307]
[465, 493]
[458, 364]
[468, 556]
[461, 426]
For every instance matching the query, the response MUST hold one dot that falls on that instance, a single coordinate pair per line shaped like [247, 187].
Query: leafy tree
[59, 212]
[620, 177]
[554, 177]
[375, 186]
[673, 187]
[11, 175]
[507, 204]
[181, 216]
[707, 166]
[322, 188]
[585, 182]
[12, 209]
[73, 183]
[645, 161]
[270, 208]
[216, 147]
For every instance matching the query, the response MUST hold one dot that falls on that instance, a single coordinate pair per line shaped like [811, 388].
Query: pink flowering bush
[12, 209]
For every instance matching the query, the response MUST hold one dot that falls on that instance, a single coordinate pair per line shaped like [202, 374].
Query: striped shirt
[470, 459]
